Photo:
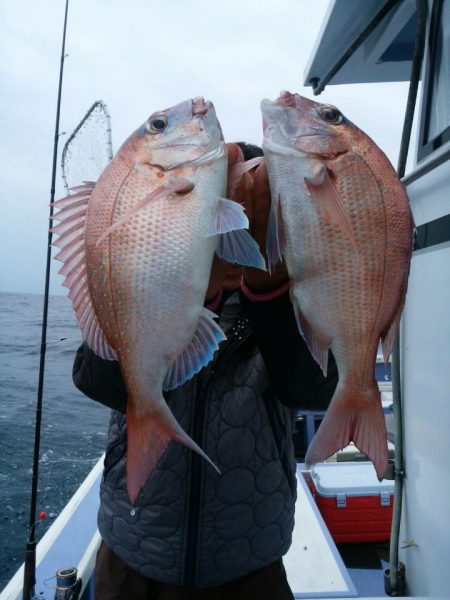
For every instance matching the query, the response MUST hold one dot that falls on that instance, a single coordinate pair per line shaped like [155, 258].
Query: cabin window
[436, 107]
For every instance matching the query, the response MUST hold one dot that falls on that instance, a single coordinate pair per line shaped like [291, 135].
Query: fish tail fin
[352, 417]
[148, 436]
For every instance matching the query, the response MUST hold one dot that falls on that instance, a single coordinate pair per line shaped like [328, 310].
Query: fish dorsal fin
[229, 216]
[328, 199]
[238, 247]
[238, 170]
[198, 353]
[72, 216]
[276, 239]
[317, 344]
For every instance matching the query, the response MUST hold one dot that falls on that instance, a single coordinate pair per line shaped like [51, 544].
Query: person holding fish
[138, 251]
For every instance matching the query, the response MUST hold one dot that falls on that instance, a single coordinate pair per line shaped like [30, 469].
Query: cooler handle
[341, 500]
[385, 498]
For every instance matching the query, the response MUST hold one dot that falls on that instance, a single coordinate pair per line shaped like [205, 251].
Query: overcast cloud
[141, 56]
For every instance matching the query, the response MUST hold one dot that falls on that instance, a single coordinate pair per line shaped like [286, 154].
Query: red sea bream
[137, 249]
[340, 219]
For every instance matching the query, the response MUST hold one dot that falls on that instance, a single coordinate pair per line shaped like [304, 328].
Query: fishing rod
[29, 577]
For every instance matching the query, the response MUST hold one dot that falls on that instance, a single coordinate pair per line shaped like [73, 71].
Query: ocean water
[73, 434]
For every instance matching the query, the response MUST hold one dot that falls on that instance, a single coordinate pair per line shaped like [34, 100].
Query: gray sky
[141, 56]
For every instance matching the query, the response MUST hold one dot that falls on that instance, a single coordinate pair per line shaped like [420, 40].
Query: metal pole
[30, 555]
[396, 582]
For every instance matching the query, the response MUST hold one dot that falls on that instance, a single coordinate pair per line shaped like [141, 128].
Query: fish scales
[346, 231]
[146, 234]
[141, 246]
[163, 248]
[323, 268]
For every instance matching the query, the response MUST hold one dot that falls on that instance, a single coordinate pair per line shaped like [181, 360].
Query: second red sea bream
[341, 221]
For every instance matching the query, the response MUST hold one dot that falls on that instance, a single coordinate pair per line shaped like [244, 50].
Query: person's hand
[257, 208]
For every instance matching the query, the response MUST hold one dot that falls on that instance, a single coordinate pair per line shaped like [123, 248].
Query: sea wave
[73, 427]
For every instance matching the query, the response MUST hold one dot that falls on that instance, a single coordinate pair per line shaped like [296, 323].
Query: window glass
[439, 108]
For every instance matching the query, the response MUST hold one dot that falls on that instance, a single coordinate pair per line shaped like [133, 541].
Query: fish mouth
[199, 107]
[208, 157]
[284, 100]
[269, 107]
[311, 131]
[288, 99]
[266, 103]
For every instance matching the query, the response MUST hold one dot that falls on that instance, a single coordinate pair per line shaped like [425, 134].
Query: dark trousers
[114, 580]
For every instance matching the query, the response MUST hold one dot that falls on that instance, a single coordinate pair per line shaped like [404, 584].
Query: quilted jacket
[190, 525]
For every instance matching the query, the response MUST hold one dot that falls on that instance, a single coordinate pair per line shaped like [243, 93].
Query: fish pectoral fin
[322, 188]
[229, 216]
[238, 247]
[317, 344]
[276, 239]
[238, 170]
[353, 416]
[72, 216]
[198, 353]
[147, 437]
[389, 336]
[174, 185]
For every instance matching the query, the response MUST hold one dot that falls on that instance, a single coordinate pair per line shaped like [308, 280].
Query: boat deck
[315, 566]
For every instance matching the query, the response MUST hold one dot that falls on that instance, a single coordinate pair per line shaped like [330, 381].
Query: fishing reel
[68, 587]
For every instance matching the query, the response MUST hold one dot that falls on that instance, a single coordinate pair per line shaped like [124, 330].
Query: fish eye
[156, 124]
[331, 115]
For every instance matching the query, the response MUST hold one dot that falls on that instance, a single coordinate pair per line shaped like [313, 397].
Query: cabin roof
[386, 53]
